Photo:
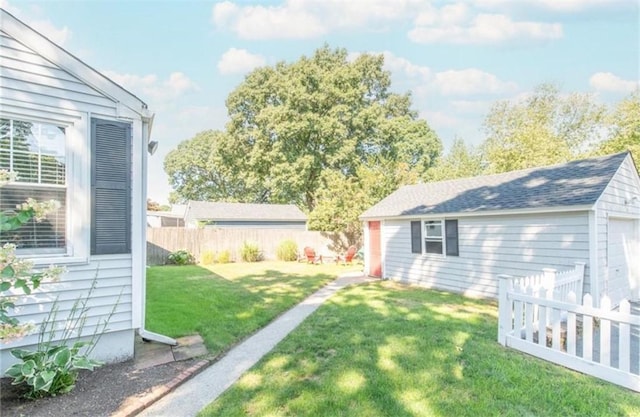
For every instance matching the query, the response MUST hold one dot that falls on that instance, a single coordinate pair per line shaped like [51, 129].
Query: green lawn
[388, 350]
[225, 303]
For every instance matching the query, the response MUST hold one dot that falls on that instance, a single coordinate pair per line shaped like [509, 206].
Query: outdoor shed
[73, 135]
[459, 235]
[243, 215]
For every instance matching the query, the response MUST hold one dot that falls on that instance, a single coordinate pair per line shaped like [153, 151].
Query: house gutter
[144, 333]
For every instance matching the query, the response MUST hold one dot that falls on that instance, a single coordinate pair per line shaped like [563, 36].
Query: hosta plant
[52, 371]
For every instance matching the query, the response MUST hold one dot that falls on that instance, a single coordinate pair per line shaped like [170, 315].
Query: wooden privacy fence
[596, 341]
[162, 241]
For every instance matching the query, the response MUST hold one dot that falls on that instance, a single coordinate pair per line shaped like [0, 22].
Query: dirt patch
[98, 393]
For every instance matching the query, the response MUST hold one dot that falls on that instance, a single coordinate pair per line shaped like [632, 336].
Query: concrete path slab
[192, 396]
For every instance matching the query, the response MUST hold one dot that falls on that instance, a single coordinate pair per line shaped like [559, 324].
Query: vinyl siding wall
[622, 188]
[34, 89]
[489, 246]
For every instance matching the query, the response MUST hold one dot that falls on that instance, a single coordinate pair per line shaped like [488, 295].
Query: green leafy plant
[224, 257]
[250, 252]
[181, 257]
[15, 273]
[287, 251]
[207, 257]
[53, 368]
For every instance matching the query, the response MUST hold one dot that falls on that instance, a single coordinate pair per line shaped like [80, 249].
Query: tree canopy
[300, 132]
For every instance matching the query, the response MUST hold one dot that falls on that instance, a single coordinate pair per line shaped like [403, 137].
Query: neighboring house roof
[202, 210]
[68, 62]
[575, 183]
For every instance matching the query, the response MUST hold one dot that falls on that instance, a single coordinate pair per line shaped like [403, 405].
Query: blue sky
[457, 57]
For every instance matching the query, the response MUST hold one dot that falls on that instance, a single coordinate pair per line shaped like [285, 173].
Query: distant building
[243, 215]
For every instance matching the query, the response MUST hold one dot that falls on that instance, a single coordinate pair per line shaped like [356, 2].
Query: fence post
[549, 278]
[504, 308]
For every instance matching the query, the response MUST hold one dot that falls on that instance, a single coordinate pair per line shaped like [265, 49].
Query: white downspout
[144, 333]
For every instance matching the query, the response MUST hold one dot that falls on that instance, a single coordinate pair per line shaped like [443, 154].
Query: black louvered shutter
[451, 231]
[416, 237]
[110, 187]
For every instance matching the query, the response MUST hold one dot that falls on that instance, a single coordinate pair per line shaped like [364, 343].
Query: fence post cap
[549, 270]
[580, 263]
[504, 276]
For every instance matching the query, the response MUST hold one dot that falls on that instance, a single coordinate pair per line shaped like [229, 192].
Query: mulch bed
[103, 392]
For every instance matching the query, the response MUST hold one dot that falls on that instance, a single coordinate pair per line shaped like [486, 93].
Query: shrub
[224, 257]
[207, 257]
[53, 367]
[250, 252]
[181, 257]
[287, 251]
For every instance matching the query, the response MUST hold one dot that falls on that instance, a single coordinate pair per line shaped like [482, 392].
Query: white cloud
[239, 61]
[303, 19]
[555, 5]
[440, 119]
[483, 28]
[58, 35]
[151, 86]
[608, 82]
[397, 64]
[470, 81]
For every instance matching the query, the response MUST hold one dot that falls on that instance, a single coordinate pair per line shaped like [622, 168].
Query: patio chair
[348, 256]
[311, 256]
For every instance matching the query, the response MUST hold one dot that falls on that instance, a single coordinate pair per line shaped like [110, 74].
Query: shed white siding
[616, 203]
[489, 246]
[34, 89]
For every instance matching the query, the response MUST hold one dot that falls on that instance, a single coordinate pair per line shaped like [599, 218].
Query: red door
[375, 254]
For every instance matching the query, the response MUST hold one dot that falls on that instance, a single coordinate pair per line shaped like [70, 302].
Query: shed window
[436, 237]
[36, 153]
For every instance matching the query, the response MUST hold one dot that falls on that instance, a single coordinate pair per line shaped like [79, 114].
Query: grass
[225, 303]
[389, 350]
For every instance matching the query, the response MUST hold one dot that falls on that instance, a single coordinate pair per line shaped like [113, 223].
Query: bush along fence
[161, 242]
[542, 321]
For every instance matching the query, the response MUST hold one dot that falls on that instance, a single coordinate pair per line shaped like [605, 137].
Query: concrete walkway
[192, 396]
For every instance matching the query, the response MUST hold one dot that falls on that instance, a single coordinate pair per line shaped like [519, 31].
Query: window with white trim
[435, 237]
[36, 153]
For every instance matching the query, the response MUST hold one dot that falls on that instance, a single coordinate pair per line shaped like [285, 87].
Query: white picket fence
[548, 323]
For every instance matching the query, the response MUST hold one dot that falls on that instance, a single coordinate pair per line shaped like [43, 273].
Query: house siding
[489, 246]
[26, 77]
[257, 224]
[33, 88]
[112, 275]
[611, 204]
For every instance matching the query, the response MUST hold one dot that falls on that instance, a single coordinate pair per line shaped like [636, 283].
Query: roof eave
[39, 43]
[483, 213]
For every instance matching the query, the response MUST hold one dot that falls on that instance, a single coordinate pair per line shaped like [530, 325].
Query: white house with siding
[73, 135]
[459, 235]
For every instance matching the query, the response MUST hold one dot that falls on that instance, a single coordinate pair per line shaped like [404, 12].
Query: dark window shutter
[416, 237]
[451, 230]
[110, 187]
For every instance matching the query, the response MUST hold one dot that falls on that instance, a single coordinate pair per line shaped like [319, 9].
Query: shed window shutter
[451, 231]
[416, 238]
[110, 187]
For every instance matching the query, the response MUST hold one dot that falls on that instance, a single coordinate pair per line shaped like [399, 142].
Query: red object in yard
[375, 252]
[310, 254]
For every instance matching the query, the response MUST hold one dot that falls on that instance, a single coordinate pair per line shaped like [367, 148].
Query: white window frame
[78, 195]
[424, 237]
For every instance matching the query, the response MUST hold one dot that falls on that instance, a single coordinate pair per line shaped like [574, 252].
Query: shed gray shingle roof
[203, 210]
[571, 184]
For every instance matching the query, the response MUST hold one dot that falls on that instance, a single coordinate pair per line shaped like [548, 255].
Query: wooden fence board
[162, 241]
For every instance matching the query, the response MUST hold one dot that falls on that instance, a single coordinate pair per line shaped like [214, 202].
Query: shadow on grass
[390, 350]
[226, 307]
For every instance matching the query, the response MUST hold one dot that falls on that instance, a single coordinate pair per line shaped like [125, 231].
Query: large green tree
[545, 128]
[461, 161]
[292, 123]
[624, 129]
[197, 171]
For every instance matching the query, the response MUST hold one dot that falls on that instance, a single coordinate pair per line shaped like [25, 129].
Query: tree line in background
[327, 134]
